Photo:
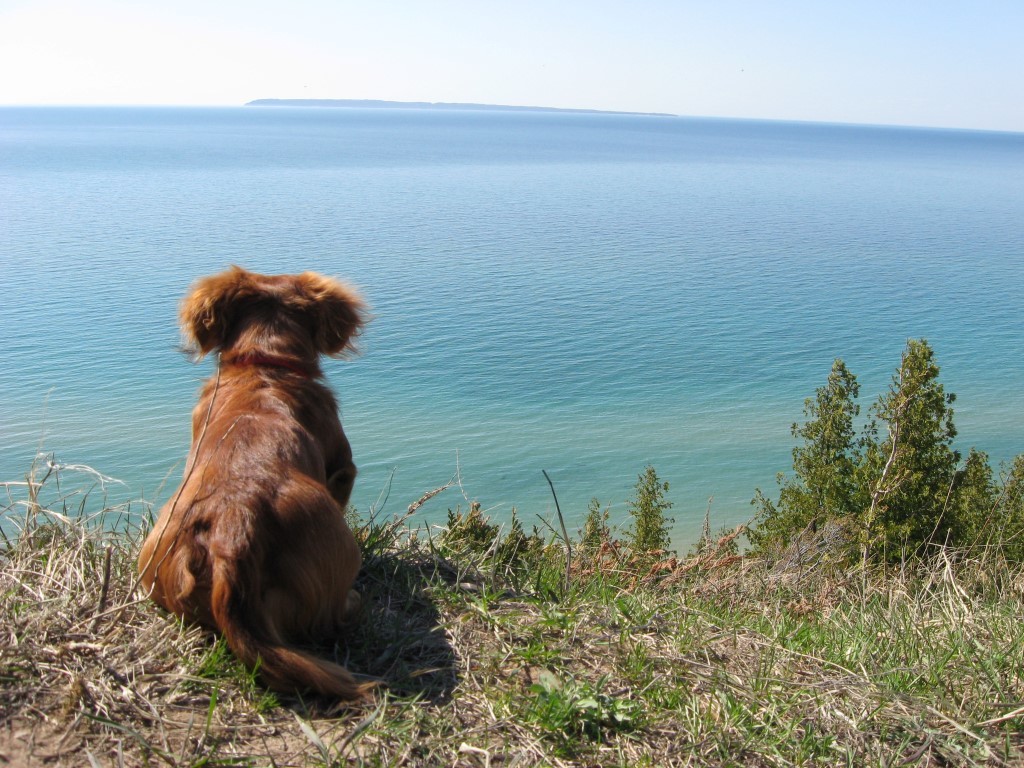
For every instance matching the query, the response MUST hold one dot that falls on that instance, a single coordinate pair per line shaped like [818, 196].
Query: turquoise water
[582, 294]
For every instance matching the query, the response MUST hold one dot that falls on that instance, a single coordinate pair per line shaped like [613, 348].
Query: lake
[582, 294]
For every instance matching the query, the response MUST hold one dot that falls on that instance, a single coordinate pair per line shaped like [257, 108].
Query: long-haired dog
[254, 543]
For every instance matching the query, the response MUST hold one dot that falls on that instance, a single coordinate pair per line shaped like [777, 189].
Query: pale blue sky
[910, 62]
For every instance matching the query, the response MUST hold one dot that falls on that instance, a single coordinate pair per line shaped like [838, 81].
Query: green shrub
[897, 488]
[596, 530]
[648, 535]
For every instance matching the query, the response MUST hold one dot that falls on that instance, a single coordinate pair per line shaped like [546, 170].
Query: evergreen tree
[910, 472]
[1004, 526]
[968, 514]
[824, 484]
[1012, 495]
[649, 535]
[899, 486]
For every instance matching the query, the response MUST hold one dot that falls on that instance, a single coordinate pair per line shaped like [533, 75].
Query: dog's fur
[254, 543]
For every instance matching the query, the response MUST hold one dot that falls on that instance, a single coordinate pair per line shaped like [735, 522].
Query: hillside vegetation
[899, 487]
[852, 633]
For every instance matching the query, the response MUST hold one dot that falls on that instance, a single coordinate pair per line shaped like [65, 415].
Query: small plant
[596, 531]
[517, 547]
[470, 532]
[219, 665]
[567, 710]
[649, 537]
[515, 556]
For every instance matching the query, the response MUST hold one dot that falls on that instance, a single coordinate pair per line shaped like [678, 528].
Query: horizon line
[498, 107]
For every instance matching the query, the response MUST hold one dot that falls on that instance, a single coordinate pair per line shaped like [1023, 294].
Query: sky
[944, 63]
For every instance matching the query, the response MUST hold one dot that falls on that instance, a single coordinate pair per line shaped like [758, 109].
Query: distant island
[378, 104]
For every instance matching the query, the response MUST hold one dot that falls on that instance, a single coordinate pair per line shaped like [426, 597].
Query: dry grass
[490, 659]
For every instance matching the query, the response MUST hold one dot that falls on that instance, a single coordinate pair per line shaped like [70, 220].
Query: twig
[458, 476]
[57, 466]
[103, 589]
[430, 494]
[880, 491]
[382, 498]
[1003, 718]
[945, 505]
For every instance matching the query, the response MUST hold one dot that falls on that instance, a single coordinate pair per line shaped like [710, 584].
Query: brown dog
[254, 543]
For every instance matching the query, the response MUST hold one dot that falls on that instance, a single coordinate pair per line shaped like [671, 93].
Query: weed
[568, 711]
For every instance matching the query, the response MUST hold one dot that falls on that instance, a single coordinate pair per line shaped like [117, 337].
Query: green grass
[490, 656]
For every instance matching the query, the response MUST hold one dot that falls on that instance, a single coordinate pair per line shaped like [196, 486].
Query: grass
[491, 657]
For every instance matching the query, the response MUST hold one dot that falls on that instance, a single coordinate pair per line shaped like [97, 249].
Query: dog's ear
[338, 312]
[206, 312]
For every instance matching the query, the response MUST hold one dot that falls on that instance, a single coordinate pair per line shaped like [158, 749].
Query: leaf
[549, 681]
[313, 737]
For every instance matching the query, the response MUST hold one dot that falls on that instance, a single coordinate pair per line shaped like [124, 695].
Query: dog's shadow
[399, 637]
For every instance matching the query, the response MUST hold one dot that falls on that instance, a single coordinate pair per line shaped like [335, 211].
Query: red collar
[274, 361]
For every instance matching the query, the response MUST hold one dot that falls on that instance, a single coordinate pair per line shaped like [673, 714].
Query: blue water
[582, 294]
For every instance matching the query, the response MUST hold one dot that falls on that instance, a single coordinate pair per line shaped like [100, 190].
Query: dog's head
[312, 313]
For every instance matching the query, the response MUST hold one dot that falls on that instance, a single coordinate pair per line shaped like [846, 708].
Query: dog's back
[254, 543]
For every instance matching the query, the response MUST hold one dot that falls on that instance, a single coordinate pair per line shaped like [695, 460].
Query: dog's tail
[282, 667]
